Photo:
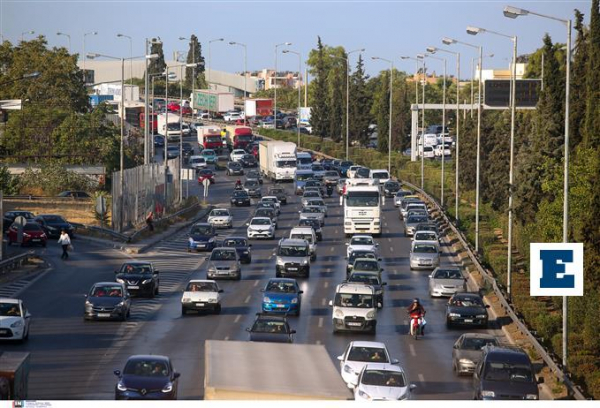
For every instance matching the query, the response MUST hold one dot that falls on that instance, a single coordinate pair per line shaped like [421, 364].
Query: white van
[354, 308]
[381, 174]
[307, 234]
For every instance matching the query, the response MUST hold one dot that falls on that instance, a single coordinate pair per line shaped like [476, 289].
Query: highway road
[73, 359]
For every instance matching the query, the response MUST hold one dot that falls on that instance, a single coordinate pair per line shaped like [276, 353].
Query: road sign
[20, 223]
[497, 92]
[187, 174]
[101, 205]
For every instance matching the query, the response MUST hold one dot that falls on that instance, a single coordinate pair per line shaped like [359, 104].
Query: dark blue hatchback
[147, 377]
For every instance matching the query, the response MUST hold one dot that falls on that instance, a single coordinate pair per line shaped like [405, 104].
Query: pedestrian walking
[149, 221]
[65, 241]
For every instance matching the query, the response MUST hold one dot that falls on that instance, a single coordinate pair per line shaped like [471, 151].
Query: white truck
[173, 119]
[362, 210]
[277, 160]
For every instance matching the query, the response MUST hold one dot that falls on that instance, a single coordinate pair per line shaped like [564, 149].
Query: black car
[74, 194]
[202, 237]
[465, 308]
[241, 245]
[9, 218]
[390, 188]
[150, 377]
[53, 224]
[188, 149]
[234, 169]
[327, 163]
[252, 186]
[315, 224]
[248, 160]
[271, 329]
[279, 193]
[107, 300]
[159, 140]
[240, 197]
[505, 373]
[254, 174]
[140, 278]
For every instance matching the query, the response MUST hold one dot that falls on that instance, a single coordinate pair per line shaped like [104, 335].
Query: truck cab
[304, 160]
[362, 210]
[354, 308]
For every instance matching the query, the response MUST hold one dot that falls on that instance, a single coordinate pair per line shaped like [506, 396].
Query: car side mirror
[117, 373]
[220, 291]
[455, 346]
[395, 361]
[351, 386]
[379, 305]
[383, 283]
[299, 212]
[376, 244]
[331, 303]
[176, 375]
[540, 380]
[85, 296]
[300, 292]
[262, 290]
[347, 243]
[156, 271]
[116, 271]
[412, 386]
[380, 269]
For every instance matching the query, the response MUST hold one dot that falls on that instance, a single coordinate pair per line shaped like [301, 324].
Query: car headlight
[348, 369]
[266, 299]
[305, 262]
[453, 315]
[531, 397]
[146, 281]
[212, 300]
[121, 304]
[18, 323]
[489, 394]
[481, 316]
[295, 300]
[212, 239]
[120, 280]
[279, 262]
[371, 315]
[338, 313]
[26, 235]
[186, 300]
[212, 269]
[364, 394]
[168, 387]
[88, 303]
[121, 387]
[466, 361]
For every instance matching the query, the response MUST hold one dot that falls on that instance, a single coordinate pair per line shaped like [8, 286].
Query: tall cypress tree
[157, 65]
[578, 83]
[382, 111]
[320, 110]
[337, 104]
[359, 104]
[194, 56]
[592, 112]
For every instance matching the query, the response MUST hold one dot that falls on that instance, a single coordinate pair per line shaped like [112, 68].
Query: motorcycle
[417, 322]
[238, 186]
[329, 190]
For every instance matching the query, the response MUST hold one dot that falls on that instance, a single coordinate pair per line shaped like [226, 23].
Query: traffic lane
[64, 349]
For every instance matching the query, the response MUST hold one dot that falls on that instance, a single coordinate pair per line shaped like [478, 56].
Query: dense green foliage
[194, 56]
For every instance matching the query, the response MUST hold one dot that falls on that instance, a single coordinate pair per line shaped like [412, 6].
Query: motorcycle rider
[329, 190]
[417, 307]
[238, 184]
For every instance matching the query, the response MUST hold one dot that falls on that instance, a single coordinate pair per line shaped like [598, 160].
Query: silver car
[411, 223]
[467, 351]
[331, 177]
[224, 263]
[399, 196]
[308, 195]
[446, 282]
[313, 212]
[317, 202]
[424, 255]
[252, 186]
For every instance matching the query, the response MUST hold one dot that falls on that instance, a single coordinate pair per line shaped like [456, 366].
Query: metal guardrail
[15, 261]
[114, 234]
[164, 219]
[53, 198]
[486, 274]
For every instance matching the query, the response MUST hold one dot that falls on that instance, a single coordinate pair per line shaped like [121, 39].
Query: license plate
[354, 324]
[199, 304]
[103, 314]
[468, 320]
[133, 287]
[35, 240]
[280, 305]
[223, 272]
[292, 269]
[200, 245]
[3, 331]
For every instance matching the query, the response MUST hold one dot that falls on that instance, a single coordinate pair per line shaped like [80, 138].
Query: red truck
[152, 121]
[238, 137]
[209, 137]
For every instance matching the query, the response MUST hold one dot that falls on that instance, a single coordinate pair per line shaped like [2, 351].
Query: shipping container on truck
[132, 92]
[132, 112]
[270, 371]
[96, 99]
[209, 137]
[238, 137]
[14, 366]
[212, 101]
[162, 118]
[262, 107]
[277, 160]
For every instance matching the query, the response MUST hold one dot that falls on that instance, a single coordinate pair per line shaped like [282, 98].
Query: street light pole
[26, 32]
[299, 98]
[413, 145]
[130, 62]
[68, 36]
[275, 86]
[514, 12]
[390, 116]
[209, 43]
[84, 54]
[245, 75]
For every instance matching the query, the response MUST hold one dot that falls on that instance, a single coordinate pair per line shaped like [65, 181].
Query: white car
[360, 353]
[361, 243]
[232, 116]
[260, 227]
[351, 172]
[220, 217]
[14, 320]
[381, 174]
[237, 154]
[200, 295]
[425, 236]
[197, 162]
[274, 200]
[443, 147]
[382, 382]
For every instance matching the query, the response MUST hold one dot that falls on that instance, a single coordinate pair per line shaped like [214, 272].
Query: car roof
[356, 288]
[225, 249]
[303, 228]
[10, 300]
[260, 218]
[384, 366]
[377, 344]
[467, 294]
[478, 336]
[108, 283]
[235, 237]
[284, 280]
[292, 241]
[361, 236]
[202, 224]
[505, 353]
[137, 263]
[148, 357]
[201, 281]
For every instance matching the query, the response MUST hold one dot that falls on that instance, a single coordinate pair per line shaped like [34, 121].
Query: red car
[206, 174]
[32, 234]
[239, 122]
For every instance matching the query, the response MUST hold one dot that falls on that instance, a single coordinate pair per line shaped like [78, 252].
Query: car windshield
[313, 183]
[354, 300]
[239, 151]
[205, 173]
[107, 291]
[198, 160]
[346, 164]
[307, 237]
[201, 287]
[475, 343]
[426, 227]
[364, 278]
[234, 165]
[362, 199]
[304, 160]
[269, 326]
[318, 202]
[235, 242]
[146, 368]
[309, 222]
[311, 210]
[201, 230]
[10, 309]
[253, 174]
[219, 213]
[222, 255]
[281, 287]
[360, 254]
[500, 371]
[415, 219]
[368, 354]
[251, 184]
[381, 175]
[276, 191]
[311, 193]
[447, 274]
[54, 218]
[466, 301]
[208, 152]
[269, 200]
[240, 194]
[332, 174]
[383, 378]
[291, 250]
[136, 268]
[425, 236]
[260, 221]
[304, 177]
[317, 167]
[264, 212]
[425, 249]
[402, 193]
[30, 226]
[286, 163]
[366, 265]
[361, 241]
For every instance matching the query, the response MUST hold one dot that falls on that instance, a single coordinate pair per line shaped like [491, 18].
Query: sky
[386, 29]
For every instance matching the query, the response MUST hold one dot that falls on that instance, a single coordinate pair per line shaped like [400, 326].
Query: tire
[218, 309]
[156, 291]
[277, 274]
[183, 311]
[448, 325]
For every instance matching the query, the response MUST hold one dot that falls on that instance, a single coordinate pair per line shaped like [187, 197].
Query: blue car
[302, 176]
[344, 166]
[282, 295]
[202, 237]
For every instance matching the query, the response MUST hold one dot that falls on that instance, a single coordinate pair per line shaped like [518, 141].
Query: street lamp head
[232, 43]
[92, 55]
[474, 30]
[375, 58]
[120, 35]
[421, 56]
[287, 43]
[192, 65]
[432, 50]
[182, 38]
[285, 51]
[448, 41]
[514, 12]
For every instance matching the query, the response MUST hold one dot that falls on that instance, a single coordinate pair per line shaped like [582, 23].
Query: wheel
[9, 242]
[123, 317]
[152, 294]
[448, 325]
[183, 311]
[218, 309]
[374, 330]
[157, 288]
[277, 274]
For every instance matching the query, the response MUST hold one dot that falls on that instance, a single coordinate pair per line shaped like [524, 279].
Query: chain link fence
[147, 188]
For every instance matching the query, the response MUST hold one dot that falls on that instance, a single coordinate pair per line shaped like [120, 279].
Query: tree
[158, 65]
[381, 110]
[337, 103]
[578, 82]
[360, 100]
[194, 56]
[9, 184]
[592, 112]
[320, 112]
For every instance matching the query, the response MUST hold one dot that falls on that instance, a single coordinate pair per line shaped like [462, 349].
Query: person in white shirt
[65, 241]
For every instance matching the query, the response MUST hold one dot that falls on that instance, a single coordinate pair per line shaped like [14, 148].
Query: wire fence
[147, 188]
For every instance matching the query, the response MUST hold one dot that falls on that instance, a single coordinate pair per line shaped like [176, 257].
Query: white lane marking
[226, 338]
[385, 224]
[318, 342]
[336, 231]
[247, 299]
[237, 318]
[421, 378]
[412, 350]
[331, 249]
[256, 283]
[389, 240]
[326, 284]
[320, 322]
[391, 249]
[323, 301]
